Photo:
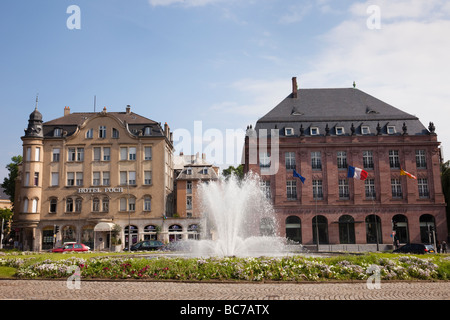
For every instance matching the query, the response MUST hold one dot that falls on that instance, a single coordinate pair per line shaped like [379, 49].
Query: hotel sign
[100, 190]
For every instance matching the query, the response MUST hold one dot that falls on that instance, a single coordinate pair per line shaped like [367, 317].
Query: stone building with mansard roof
[88, 168]
[323, 131]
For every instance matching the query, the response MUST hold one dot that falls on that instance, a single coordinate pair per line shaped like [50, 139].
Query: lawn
[293, 268]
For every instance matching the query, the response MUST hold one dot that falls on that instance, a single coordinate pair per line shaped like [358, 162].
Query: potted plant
[116, 242]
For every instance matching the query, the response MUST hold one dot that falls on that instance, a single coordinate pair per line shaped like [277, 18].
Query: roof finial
[354, 84]
[37, 100]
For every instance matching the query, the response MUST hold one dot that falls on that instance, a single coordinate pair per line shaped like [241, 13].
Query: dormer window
[205, 170]
[288, 131]
[57, 132]
[314, 131]
[340, 131]
[391, 130]
[147, 131]
[365, 130]
[115, 133]
[189, 171]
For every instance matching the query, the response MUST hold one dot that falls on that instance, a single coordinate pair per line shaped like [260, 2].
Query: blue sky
[222, 62]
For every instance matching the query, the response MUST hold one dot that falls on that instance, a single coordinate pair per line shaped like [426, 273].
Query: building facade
[84, 171]
[319, 133]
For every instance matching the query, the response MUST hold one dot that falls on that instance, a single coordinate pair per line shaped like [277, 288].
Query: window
[96, 178]
[123, 178]
[265, 186]
[105, 204]
[80, 154]
[79, 179]
[102, 132]
[25, 205]
[340, 131]
[189, 187]
[317, 190]
[147, 203]
[37, 154]
[115, 133]
[34, 204]
[90, 133]
[106, 154]
[55, 179]
[365, 130]
[70, 178]
[189, 171]
[132, 153]
[28, 155]
[205, 170]
[97, 153]
[370, 188]
[36, 179]
[391, 130]
[422, 183]
[55, 155]
[57, 132]
[71, 154]
[147, 131]
[147, 177]
[394, 160]
[96, 204]
[316, 162]
[147, 153]
[132, 204]
[78, 204]
[189, 203]
[123, 204]
[342, 160]
[396, 188]
[69, 205]
[53, 205]
[368, 159]
[344, 193]
[291, 189]
[106, 178]
[264, 160]
[314, 131]
[290, 160]
[132, 177]
[27, 179]
[288, 131]
[421, 159]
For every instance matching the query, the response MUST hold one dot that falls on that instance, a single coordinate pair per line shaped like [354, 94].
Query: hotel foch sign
[100, 190]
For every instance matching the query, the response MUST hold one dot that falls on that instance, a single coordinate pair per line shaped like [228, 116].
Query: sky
[210, 68]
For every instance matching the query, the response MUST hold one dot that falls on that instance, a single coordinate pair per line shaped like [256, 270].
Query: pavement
[151, 290]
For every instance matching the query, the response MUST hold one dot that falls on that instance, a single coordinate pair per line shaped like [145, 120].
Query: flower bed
[298, 268]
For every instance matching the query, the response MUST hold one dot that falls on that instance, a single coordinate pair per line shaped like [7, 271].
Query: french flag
[357, 173]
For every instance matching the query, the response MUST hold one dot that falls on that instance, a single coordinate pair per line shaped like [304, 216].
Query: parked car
[72, 247]
[146, 245]
[417, 248]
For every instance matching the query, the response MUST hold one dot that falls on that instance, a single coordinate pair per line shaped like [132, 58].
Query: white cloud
[187, 3]
[405, 63]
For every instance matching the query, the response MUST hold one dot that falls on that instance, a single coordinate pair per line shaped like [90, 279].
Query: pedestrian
[438, 245]
[444, 247]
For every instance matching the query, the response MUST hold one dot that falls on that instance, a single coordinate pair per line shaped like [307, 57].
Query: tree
[9, 183]
[238, 171]
[445, 179]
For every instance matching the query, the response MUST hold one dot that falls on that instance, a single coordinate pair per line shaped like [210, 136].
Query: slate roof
[70, 122]
[341, 107]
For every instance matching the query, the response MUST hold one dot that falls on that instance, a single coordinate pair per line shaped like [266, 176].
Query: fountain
[238, 220]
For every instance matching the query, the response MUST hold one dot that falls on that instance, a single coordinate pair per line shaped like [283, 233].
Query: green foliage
[9, 183]
[237, 171]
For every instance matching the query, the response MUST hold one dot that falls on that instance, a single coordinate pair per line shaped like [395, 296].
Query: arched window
[68, 234]
[133, 233]
[194, 231]
[320, 228]
[69, 205]
[267, 227]
[25, 205]
[175, 232]
[294, 229]
[427, 225]
[150, 232]
[96, 204]
[400, 226]
[53, 205]
[373, 229]
[78, 204]
[346, 229]
[105, 204]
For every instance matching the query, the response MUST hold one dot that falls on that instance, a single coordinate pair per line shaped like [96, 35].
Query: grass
[7, 272]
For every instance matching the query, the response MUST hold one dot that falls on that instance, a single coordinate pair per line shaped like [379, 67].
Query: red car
[77, 247]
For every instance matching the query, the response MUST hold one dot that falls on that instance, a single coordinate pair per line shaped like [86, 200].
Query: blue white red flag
[357, 173]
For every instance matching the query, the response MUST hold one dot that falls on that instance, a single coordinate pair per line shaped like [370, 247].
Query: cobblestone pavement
[123, 290]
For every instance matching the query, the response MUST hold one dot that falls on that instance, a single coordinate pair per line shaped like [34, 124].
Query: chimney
[128, 109]
[294, 87]
[66, 111]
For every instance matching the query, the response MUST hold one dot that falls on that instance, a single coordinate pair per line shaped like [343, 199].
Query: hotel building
[84, 174]
[319, 133]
